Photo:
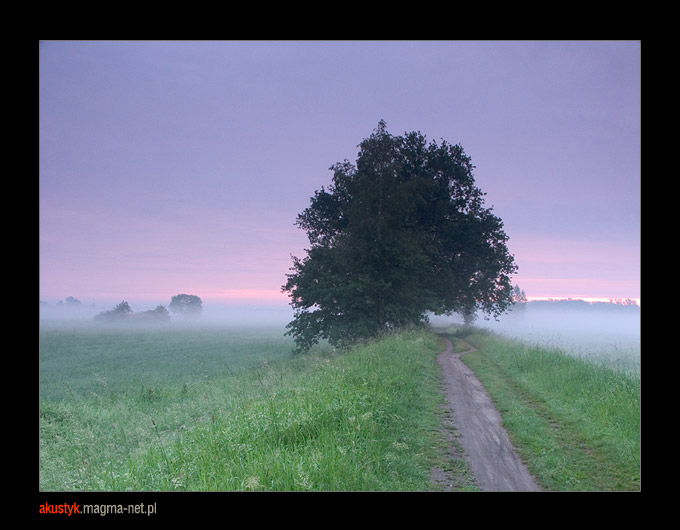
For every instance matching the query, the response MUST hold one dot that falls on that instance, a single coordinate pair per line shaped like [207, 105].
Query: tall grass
[576, 423]
[362, 421]
[102, 388]
[366, 420]
[224, 409]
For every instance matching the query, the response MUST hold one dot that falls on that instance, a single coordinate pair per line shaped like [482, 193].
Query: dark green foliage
[186, 305]
[160, 314]
[118, 314]
[401, 233]
[123, 313]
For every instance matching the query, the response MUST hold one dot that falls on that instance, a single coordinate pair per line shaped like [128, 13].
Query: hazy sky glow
[179, 167]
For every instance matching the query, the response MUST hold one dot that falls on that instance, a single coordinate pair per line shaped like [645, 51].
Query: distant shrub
[123, 313]
[160, 314]
[119, 313]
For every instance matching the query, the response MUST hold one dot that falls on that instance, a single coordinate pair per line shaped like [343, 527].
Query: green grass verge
[224, 409]
[161, 416]
[576, 424]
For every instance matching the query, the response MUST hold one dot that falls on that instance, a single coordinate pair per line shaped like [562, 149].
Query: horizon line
[589, 299]
[260, 296]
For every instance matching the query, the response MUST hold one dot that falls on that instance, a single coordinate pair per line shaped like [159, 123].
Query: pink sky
[179, 167]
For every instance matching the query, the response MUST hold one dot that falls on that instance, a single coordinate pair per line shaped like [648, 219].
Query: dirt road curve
[488, 451]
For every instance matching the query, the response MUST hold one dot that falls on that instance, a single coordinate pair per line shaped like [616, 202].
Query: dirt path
[491, 458]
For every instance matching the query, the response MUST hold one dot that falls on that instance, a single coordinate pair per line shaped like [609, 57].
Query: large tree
[401, 233]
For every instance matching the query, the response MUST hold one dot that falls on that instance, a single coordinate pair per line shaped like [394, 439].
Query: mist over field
[605, 332]
[575, 325]
[213, 313]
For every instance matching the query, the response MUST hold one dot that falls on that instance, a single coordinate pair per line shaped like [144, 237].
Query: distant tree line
[520, 304]
[69, 303]
[186, 306]
[123, 312]
[571, 304]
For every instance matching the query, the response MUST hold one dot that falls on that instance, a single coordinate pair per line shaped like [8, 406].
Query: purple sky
[179, 167]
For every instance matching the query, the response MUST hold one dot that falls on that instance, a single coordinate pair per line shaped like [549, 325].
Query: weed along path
[491, 458]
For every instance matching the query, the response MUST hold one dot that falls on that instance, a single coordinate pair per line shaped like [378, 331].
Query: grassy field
[179, 408]
[576, 423]
[218, 409]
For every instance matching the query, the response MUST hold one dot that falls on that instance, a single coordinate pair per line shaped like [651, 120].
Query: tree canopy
[400, 233]
[186, 305]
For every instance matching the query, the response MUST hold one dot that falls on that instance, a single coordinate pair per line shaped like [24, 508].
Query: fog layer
[211, 313]
[610, 333]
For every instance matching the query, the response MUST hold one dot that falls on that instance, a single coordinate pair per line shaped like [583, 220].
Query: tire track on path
[492, 459]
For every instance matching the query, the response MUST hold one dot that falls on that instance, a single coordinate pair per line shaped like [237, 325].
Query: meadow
[604, 334]
[229, 408]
